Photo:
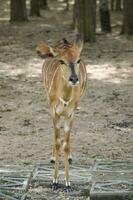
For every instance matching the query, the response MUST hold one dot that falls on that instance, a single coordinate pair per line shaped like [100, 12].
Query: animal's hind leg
[56, 119]
[52, 159]
[57, 144]
[69, 154]
[66, 147]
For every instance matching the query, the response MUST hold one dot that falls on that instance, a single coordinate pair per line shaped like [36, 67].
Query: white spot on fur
[66, 103]
[52, 158]
[59, 108]
[55, 180]
[66, 127]
[72, 84]
[59, 123]
[70, 112]
[67, 183]
[69, 157]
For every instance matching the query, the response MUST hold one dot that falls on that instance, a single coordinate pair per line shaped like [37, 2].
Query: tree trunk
[18, 10]
[127, 17]
[105, 16]
[112, 4]
[74, 24]
[118, 5]
[86, 19]
[34, 8]
[43, 4]
[67, 5]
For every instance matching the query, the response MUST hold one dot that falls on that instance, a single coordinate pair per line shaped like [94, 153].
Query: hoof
[52, 160]
[55, 186]
[68, 189]
[70, 160]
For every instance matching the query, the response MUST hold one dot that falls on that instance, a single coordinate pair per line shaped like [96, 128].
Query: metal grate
[109, 180]
[112, 181]
[78, 174]
[14, 181]
[114, 166]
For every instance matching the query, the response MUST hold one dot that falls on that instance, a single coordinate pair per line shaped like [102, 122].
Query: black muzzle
[73, 79]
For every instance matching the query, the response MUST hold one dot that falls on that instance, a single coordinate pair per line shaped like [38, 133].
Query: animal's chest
[64, 108]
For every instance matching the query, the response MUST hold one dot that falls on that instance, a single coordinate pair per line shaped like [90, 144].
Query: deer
[64, 78]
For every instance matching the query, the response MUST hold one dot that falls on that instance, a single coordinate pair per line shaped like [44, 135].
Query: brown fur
[62, 97]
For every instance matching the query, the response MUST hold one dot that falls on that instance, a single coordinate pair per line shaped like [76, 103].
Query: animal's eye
[78, 61]
[62, 62]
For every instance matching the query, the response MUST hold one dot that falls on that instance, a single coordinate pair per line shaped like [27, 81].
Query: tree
[104, 16]
[85, 18]
[112, 4]
[43, 4]
[67, 5]
[118, 5]
[18, 10]
[34, 8]
[75, 15]
[127, 27]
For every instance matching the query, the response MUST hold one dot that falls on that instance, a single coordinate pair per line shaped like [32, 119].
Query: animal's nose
[74, 79]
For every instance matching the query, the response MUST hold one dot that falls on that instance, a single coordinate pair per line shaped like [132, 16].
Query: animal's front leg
[52, 159]
[66, 147]
[56, 146]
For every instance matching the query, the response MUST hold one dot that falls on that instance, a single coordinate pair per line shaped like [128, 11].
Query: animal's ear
[45, 51]
[79, 42]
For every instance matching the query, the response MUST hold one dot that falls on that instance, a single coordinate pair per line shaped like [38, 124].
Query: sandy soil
[104, 123]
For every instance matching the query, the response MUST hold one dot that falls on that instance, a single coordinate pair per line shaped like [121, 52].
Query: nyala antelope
[64, 78]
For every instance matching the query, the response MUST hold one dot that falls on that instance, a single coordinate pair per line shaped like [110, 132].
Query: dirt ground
[104, 123]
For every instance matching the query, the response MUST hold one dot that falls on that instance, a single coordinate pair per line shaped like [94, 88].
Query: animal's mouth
[74, 83]
[74, 79]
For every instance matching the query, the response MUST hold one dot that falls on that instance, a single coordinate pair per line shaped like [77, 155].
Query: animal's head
[68, 54]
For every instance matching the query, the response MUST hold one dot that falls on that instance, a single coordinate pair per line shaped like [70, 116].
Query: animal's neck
[68, 93]
[67, 90]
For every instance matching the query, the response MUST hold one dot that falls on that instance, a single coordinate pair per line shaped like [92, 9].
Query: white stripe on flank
[52, 80]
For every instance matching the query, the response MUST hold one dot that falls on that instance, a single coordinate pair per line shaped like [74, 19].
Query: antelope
[64, 77]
